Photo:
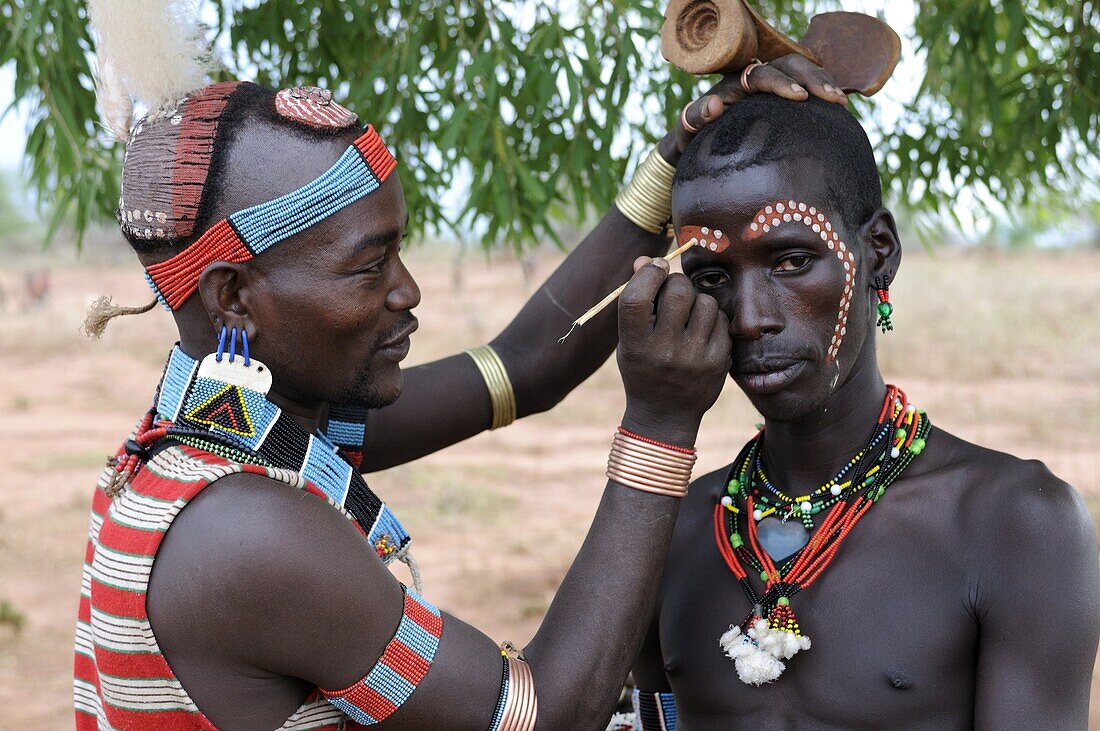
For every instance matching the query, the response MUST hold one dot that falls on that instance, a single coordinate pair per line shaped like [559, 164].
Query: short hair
[765, 128]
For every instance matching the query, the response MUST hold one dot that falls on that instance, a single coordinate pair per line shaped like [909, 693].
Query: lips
[397, 346]
[766, 376]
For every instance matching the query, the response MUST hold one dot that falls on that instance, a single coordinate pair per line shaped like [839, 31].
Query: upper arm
[291, 588]
[1037, 607]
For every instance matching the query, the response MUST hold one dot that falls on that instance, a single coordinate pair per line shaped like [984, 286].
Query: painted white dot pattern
[788, 211]
[710, 239]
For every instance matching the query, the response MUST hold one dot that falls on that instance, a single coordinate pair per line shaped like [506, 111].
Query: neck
[802, 455]
[310, 418]
[199, 342]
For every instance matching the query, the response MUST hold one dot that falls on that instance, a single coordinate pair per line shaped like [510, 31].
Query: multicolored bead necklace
[770, 633]
[223, 408]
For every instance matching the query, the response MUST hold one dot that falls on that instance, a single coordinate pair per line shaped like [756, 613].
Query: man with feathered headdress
[235, 573]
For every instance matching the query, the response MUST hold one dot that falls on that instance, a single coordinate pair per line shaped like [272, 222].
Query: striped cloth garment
[121, 679]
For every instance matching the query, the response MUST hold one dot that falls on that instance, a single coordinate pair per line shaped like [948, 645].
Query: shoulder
[1022, 515]
[696, 516]
[1023, 493]
[260, 561]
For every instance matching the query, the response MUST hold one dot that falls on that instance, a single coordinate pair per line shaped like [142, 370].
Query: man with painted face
[235, 573]
[853, 567]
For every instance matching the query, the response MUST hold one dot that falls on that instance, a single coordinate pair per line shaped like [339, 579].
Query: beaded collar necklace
[222, 407]
[770, 633]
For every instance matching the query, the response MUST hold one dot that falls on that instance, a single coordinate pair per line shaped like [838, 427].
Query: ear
[225, 289]
[883, 246]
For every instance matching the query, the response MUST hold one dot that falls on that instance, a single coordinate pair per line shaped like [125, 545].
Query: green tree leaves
[512, 118]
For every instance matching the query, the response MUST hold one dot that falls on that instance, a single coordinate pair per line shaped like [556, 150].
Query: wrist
[679, 430]
[669, 149]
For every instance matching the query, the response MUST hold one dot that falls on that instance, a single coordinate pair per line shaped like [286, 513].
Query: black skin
[261, 593]
[968, 596]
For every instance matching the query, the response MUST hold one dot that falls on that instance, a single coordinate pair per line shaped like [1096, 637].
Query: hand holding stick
[615, 295]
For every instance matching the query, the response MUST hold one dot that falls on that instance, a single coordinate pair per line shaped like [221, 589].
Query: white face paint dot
[843, 331]
[813, 211]
[713, 246]
[824, 236]
[775, 221]
[752, 226]
[797, 216]
[768, 210]
[779, 208]
[839, 255]
[705, 230]
[816, 228]
[821, 217]
[717, 234]
[802, 207]
[828, 226]
[847, 266]
[767, 228]
[787, 217]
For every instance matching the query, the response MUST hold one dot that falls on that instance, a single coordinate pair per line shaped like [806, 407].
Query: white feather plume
[156, 49]
[114, 102]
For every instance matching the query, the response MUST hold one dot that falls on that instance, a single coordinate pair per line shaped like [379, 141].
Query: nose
[404, 295]
[753, 310]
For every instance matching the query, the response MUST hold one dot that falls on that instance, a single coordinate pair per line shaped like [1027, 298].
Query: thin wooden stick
[615, 295]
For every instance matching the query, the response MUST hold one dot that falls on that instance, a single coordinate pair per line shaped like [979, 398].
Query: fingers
[636, 315]
[769, 79]
[719, 342]
[701, 112]
[810, 76]
[703, 313]
[675, 306]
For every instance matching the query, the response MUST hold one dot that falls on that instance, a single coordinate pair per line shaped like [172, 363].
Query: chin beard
[367, 393]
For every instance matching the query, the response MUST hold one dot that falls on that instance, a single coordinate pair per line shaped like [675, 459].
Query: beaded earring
[224, 365]
[885, 308]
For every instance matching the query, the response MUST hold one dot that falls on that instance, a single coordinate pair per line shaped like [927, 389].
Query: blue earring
[231, 337]
[221, 343]
[244, 344]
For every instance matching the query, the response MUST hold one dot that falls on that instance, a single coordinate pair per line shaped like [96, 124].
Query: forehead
[730, 198]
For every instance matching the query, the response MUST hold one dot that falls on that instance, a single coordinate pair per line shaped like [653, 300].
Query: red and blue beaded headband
[247, 233]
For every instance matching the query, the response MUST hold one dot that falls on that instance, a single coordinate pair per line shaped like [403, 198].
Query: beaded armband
[249, 232]
[404, 663]
[654, 711]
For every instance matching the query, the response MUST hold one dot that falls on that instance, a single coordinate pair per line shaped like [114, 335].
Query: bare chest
[892, 639]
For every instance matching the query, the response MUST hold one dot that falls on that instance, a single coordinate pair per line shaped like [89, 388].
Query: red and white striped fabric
[121, 680]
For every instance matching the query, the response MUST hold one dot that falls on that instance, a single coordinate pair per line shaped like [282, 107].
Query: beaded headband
[251, 231]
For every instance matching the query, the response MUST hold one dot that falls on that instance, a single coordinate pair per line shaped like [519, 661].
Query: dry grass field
[1002, 349]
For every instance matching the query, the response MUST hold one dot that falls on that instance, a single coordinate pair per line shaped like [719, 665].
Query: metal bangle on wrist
[501, 394]
[650, 466]
[647, 198]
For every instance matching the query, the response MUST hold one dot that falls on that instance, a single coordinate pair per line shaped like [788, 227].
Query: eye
[375, 267]
[793, 263]
[708, 279]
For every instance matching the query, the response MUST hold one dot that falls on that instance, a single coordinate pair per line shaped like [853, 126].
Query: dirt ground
[1001, 349]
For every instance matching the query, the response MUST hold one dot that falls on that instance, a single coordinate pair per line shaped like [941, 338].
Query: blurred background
[516, 123]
